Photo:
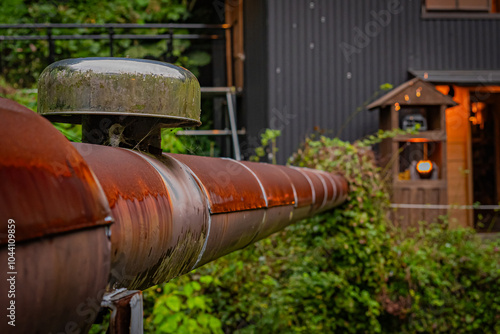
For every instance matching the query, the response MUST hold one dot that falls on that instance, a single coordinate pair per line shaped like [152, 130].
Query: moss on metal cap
[70, 88]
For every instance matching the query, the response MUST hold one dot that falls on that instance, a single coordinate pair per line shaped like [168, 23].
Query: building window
[461, 8]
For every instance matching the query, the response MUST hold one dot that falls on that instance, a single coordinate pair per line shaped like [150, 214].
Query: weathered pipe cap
[70, 88]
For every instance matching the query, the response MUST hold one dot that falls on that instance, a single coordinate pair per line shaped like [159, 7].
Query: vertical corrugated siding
[308, 81]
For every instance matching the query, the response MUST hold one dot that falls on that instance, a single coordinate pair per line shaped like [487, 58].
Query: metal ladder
[230, 93]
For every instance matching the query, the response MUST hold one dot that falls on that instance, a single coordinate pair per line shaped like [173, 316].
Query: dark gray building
[315, 63]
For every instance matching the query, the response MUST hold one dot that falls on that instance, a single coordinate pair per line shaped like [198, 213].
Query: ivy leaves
[181, 307]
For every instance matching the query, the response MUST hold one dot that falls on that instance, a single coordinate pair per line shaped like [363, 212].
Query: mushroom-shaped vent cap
[70, 88]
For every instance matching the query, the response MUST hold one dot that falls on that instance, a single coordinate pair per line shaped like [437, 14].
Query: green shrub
[180, 307]
[445, 281]
[268, 146]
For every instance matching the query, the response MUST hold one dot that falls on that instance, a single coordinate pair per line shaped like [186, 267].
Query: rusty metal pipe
[54, 218]
[175, 212]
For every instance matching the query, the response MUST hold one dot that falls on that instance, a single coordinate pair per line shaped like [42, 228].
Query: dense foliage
[444, 281]
[23, 61]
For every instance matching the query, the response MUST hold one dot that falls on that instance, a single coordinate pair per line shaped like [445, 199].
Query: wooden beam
[235, 53]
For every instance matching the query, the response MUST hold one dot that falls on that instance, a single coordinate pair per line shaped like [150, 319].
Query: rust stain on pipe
[277, 186]
[342, 189]
[302, 187]
[46, 185]
[229, 185]
[318, 186]
[160, 213]
[127, 175]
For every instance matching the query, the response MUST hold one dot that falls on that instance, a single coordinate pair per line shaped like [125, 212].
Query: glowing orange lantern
[424, 167]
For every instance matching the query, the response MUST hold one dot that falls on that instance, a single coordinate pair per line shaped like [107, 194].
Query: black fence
[45, 31]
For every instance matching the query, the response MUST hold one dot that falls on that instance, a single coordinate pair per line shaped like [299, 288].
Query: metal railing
[109, 33]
